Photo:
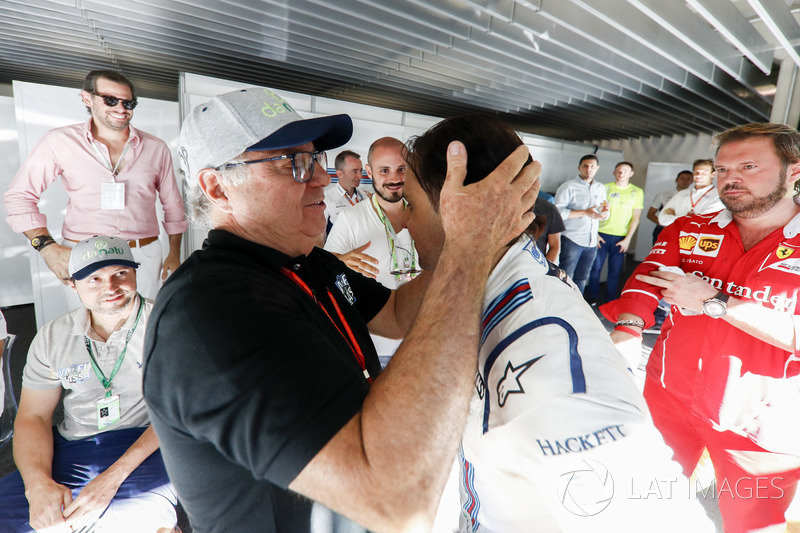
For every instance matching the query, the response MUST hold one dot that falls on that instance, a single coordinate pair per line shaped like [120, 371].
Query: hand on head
[486, 215]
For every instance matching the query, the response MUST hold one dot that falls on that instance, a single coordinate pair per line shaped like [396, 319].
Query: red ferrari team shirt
[724, 373]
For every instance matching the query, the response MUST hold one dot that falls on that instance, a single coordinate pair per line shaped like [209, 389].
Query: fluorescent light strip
[720, 27]
[685, 39]
[775, 30]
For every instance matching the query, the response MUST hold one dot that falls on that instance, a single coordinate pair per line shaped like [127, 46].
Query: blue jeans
[75, 463]
[576, 261]
[616, 259]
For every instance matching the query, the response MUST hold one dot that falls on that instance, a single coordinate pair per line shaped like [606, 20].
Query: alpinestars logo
[509, 383]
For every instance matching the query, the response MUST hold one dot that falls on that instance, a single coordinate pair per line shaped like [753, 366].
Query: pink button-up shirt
[68, 153]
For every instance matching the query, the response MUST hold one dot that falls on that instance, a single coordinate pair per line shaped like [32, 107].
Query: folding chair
[8, 401]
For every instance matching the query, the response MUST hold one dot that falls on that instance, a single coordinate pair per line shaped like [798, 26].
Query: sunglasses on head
[112, 101]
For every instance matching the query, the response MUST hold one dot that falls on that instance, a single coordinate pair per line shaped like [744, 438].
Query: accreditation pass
[107, 412]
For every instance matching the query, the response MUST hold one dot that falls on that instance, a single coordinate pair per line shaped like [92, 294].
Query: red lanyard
[694, 204]
[350, 337]
[355, 195]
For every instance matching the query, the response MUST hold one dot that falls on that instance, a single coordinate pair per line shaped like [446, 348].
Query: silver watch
[716, 306]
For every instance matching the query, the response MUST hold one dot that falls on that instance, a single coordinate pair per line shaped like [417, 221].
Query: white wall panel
[15, 281]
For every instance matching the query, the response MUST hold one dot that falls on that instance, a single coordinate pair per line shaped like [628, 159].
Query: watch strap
[42, 241]
[720, 299]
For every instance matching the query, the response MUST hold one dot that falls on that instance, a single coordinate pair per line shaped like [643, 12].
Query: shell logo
[687, 242]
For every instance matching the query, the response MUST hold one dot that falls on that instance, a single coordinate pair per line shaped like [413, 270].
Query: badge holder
[112, 195]
[108, 411]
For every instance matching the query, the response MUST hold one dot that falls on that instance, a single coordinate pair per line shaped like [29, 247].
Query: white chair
[8, 401]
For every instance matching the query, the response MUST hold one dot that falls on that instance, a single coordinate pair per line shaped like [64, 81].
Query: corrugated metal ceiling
[570, 69]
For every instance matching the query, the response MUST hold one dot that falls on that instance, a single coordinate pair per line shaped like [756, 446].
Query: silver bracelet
[637, 323]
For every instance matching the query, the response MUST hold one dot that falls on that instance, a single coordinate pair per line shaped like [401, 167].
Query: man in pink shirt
[112, 173]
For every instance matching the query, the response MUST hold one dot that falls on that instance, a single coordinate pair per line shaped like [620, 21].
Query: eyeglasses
[112, 101]
[302, 163]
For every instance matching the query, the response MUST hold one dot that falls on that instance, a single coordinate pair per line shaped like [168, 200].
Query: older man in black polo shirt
[263, 386]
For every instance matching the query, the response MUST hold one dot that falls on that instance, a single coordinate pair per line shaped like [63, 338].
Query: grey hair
[198, 207]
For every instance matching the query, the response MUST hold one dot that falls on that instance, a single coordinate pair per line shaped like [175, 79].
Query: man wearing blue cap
[262, 383]
[100, 468]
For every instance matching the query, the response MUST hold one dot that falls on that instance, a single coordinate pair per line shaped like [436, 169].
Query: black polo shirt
[247, 378]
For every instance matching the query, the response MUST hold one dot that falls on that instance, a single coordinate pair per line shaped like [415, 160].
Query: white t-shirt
[661, 200]
[558, 437]
[58, 358]
[699, 202]
[356, 226]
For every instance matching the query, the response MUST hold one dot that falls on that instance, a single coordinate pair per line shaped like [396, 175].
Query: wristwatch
[716, 306]
[41, 241]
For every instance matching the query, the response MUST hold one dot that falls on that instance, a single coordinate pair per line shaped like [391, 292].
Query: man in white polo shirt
[345, 193]
[100, 468]
[699, 199]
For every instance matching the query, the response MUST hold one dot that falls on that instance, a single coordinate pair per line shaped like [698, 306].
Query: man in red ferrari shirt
[724, 374]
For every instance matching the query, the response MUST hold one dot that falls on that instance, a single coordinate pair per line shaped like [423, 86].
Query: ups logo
[708, 244]
[687, 242]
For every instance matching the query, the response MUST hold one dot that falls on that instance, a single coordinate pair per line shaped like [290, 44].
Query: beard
[392, 197]
[752, 206]
[114, 124]
[104, 308]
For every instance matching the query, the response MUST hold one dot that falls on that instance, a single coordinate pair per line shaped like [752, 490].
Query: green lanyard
[99, 373]
[391, 236]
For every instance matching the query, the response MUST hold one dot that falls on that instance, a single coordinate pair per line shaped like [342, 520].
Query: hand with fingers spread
[485, 216]
[360, 262]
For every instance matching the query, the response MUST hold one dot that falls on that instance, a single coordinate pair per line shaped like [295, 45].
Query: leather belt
[133, 244]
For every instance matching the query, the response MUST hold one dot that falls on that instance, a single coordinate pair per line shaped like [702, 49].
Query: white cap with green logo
[98, 252]
[251, 119]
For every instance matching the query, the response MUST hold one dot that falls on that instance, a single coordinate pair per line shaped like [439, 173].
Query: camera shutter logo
[587, 490]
